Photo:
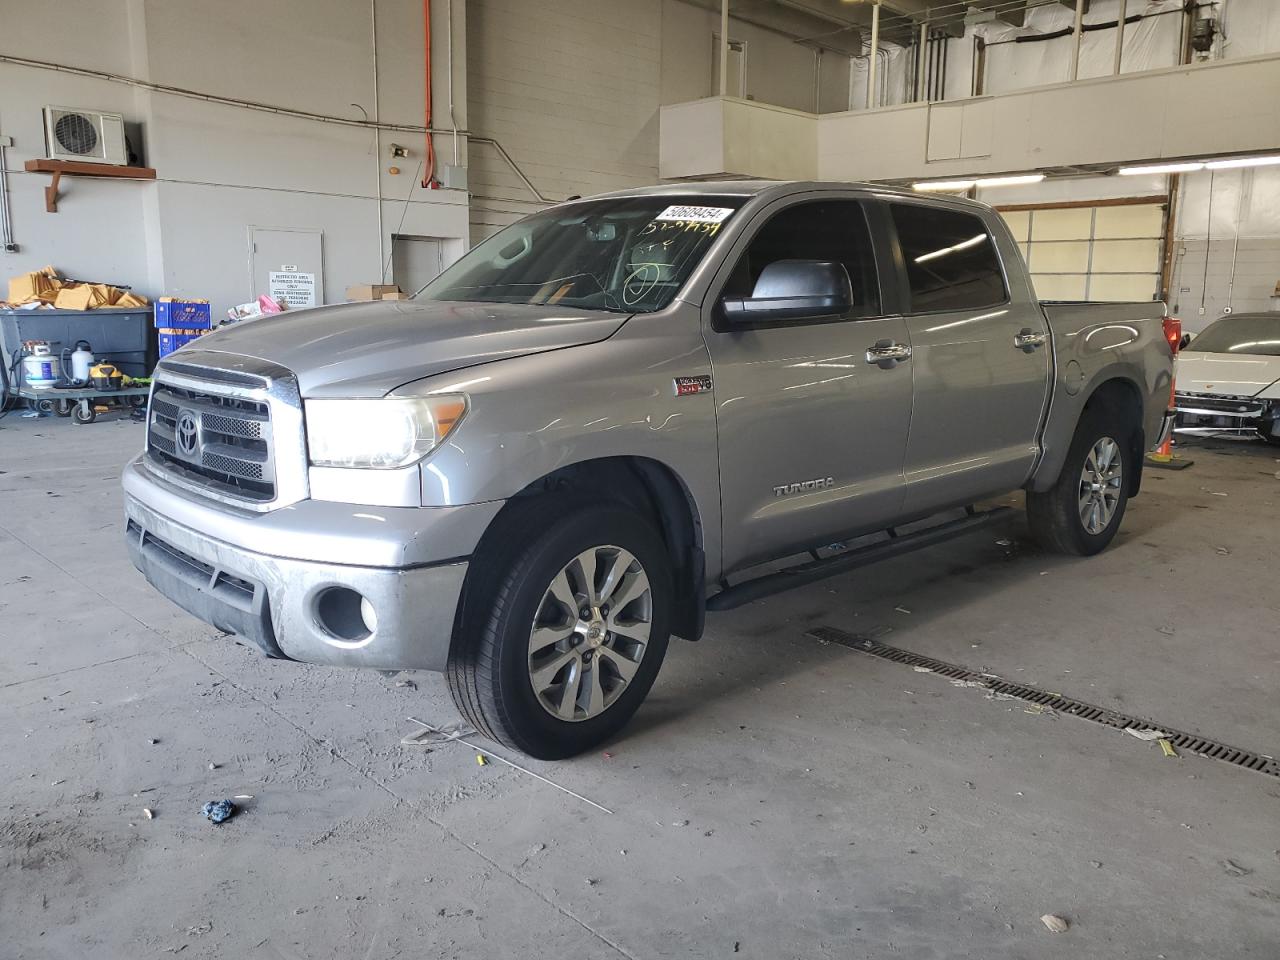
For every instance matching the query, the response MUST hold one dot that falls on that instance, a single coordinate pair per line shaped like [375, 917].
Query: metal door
[812, 432]
[287, 263]
[980, 357]
[415, 261]
[736, 75]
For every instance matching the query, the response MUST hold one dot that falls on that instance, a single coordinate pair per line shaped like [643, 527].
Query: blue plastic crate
[171, 340]
[183, 315]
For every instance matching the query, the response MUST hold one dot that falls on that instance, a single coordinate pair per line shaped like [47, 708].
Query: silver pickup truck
[610, 417]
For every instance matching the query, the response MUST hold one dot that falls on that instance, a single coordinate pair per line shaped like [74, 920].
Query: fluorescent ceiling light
[1161, 168]
[1013, 181]
[943, 185]
[1244, 162]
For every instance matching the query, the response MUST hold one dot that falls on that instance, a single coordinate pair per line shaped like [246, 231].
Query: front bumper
[1201, 414]
[206, 567]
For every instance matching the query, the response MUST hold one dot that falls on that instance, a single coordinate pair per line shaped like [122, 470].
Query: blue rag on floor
[218, 810]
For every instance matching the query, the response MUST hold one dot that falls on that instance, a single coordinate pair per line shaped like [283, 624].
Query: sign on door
[292, 288]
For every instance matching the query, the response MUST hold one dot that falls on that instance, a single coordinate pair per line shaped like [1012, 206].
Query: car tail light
[1172, 333]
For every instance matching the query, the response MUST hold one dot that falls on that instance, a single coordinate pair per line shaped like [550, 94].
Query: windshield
[1244, 334]
[630, 255]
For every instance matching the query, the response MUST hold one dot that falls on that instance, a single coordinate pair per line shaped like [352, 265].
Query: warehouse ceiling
[844, 26]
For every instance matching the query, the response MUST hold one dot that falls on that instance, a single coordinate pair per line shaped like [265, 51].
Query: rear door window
[817, 230]
[950, 258]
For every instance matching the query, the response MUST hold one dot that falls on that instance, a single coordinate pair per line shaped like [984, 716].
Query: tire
[44, 406]
[78, 414]
[515, 692]
[1061, 518]
[63, 408]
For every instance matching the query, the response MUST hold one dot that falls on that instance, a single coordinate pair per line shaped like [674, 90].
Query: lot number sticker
[696, 214]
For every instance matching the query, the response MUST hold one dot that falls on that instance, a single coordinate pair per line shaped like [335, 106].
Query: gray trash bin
[121, 336]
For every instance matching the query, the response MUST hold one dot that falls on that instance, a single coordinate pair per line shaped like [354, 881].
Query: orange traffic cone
[1162, 457]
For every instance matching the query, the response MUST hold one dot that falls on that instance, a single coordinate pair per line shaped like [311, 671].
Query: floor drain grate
[1188, 742]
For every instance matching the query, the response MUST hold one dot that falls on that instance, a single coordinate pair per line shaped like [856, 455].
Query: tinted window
[1241, 334]
[821, 230]
[951, 259]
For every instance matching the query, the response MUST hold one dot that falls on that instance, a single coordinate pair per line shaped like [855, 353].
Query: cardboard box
[75, 297]
[372, 291]
[86, 296]
[175, 314]
[398, 295]
[41, 285]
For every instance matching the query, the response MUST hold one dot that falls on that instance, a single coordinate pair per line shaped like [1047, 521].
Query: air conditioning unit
[89, 136]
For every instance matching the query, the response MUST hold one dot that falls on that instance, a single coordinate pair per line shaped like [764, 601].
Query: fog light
[345, 615]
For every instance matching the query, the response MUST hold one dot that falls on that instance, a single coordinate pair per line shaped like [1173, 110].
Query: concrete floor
[775, 798]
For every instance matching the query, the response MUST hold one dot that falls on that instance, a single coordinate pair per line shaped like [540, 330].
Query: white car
[1228, 379]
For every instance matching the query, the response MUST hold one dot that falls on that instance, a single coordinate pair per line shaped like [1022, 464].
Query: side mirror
[794, 290]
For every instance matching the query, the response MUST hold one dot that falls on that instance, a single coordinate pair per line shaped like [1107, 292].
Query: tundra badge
[822, 483]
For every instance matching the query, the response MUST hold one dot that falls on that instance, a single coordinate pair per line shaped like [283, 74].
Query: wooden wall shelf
[78, 168]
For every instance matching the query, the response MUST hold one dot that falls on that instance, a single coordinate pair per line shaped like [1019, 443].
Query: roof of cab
[757, 188]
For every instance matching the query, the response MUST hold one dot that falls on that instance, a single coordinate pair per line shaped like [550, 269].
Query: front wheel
[564, 626]
[1081, 513]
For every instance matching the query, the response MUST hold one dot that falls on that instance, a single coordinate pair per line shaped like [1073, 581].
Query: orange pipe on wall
[430, 169]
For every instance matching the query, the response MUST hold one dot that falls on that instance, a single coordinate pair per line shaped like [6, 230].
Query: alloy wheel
[590, 633]
[1101, 484]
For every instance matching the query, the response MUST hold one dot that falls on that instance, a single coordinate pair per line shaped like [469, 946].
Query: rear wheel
[1081, 513]
[564, 627]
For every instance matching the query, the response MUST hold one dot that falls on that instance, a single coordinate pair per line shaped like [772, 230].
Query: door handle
[1028, 339]
[886, 354]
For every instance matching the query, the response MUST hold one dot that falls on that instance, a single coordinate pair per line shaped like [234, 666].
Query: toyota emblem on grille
[187, 434]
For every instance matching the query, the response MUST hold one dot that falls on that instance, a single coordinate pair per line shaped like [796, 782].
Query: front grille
[219, 441]
[1217, 404]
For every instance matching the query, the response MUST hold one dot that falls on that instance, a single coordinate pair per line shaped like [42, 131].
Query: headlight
[381, 434]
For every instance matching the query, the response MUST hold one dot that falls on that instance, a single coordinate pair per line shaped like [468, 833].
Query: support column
[1119, 37]
[724, 47]
[922, 92]
[1077, 35]
[872, 63]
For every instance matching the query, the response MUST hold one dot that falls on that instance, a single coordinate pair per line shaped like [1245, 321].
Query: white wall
[221, 168]
[1178, 111]
[779, 71]
[724, 136]
[106, 237]
[570, 89]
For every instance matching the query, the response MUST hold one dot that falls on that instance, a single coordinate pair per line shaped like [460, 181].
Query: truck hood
[1227, 375]
[368, 349]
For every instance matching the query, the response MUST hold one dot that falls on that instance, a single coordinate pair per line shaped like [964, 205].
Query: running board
[896, 545]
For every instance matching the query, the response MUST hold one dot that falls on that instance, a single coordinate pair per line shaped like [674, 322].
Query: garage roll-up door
[1102, 252]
